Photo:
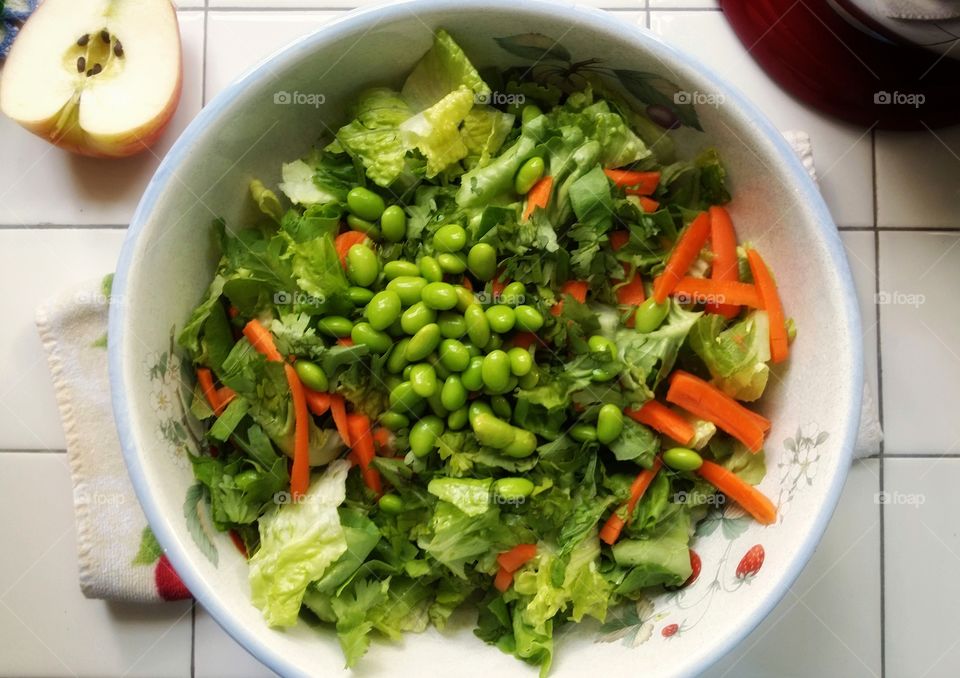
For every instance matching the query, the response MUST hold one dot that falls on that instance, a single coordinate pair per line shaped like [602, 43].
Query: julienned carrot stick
[779, 342]
[383, 440]
[704, 291]
[226, 395]
[317, 401]
[261, 339]
[300, 475]
[649, 205]
[750, 498]
[343, 242]
[538, 196]
[514, 559]
[684, 253]
[611, 529]
[338, 408]
[662, 419]
[576, 289]
[361, 438]
[700, 398]
[636, 183]
[205, 380]
[503, 580]
[723, 241]
[618, 239]
[631, 293]
[345, 341]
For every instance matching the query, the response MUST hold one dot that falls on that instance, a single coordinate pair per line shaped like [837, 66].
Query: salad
[481, 356]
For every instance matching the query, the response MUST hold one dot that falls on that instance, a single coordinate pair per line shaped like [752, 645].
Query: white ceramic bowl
[168, 260]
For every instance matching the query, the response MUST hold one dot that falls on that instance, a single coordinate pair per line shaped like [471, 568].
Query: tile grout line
[876, 302]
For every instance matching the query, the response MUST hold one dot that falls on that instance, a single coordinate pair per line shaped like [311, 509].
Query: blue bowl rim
[589, 17]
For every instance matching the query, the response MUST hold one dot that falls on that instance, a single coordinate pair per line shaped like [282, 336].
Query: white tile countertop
[880, 595]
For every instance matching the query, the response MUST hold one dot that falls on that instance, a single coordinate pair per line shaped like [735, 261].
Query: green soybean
[408, 288]
[458, 418]
[482, 261]
[403, 398]
[454, 355]
[493, 432]
[436, 406]
[393, 223]
[439, 295]
[472, 377]
[650, 315]
[501, 407]
[416, 317]
[400, 267]
[359, 296]
[682, 459]
[603, 374]
[585, 433]
[452, 325]
[473, 349]
[529, 174]
[365, 204]
[423, 378]
[424, 434]
[530, 379]
[377, 341]
[363, 266]
[530, 112]
[513, 488]
[523, 445]
[453, 395]
[600, 344]
[465, 298]
[312, 375]
[496, 341]
[452, 263]
[501, 318]
[513, 294]
[430, 269]
[528, 318]
[335, 325]
[521, 362]
[383, 309]
[496, 370]
[391, 503]
[397, 360]
[478, 327]
[357, 224]
[476, 408]
[439, 367]
[423, 342]
[394, 421]
[609, 423]
[450, 238]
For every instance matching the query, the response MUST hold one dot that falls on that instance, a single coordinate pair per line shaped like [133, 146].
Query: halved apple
[96, 77]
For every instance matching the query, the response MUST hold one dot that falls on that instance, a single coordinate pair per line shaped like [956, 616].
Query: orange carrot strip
[466, 282]
[632, 294]
[750, 498]
[779, 342]
[361, 439]
[205, 380]
[317, 401]
[611, 529]
[618, 239]
[338, 408]
[515, 558]
[226, 396]
[684, 253]
[723, 240]
[636, 183]
[383, 440]
[700, 398]
[300, 475]
[503, 580]
[649, 205]
[524, 340]
[662, 419]
[702, 290]
[345, 341]
[261, 339]
[576, 289]
[538, 196]
[343, 242]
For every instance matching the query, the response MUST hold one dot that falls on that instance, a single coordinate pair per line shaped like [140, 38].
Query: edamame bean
[453, 395]
[245, 479]
[513, 294]
[496, 341]
[363, 266]
[439, 295]
[501, 407]
[452, 325]
[365, 204]
[423, 378]
[424, 434]
[400, 267]
[529, 319]
[512, 488]
[378, 342]
[397, 361]
[423, 342]
[523, 445]
[482, 261]
[528, 174]
[416, 317]
[603, 374]
[599, 344]
[395, 330]
[465, 298]
[529, 112]
[335, 326]
[439, 367]
[501, 318]
[394, 421]
[472, 349]
[585, 433]
[476, 408]
[450, 238]
[682, 459]
[650, 315]
[454, 355]
[408, 288]
[452, 263]
[609, 423]
[359, 296]
[521, 362]
[393, 223]
[478, 327]
[458, 418]
[496, 370]
[357, 224]
[472, 377]
[383, 309]
[531, 379]
[430, 269]
[392, 504]
[493, 432]
[312, 375]
[436, 406]
[403, 399]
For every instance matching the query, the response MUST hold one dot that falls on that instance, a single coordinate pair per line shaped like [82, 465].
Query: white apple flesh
[96, 77]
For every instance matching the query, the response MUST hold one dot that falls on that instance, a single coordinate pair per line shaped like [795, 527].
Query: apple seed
[105, 36]
[118, 49]
[83, 40]
[81, 65]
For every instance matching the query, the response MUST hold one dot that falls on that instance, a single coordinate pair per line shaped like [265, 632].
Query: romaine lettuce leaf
[443, 69]
[435, 132]
[374, 135]
[736, 356]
